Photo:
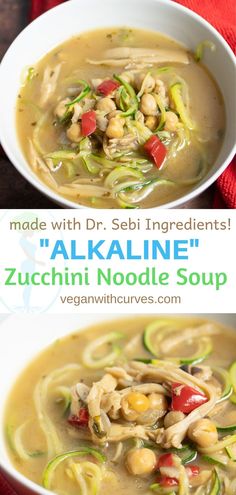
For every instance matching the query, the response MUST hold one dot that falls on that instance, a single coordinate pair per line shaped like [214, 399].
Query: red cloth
[222, 15]
[38, 7]
[5, 487]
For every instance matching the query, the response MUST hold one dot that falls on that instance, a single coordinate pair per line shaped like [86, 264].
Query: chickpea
[141, 462]
[106, 105]
[158, 402]
[148, 105]
[133, 405]
[203, 432]
[129, 415]
[115, 128]
[61, 108]
[148, 418]
[172, 418]
[74, 133]
[138, 402]
[151, 122]
[171, 122]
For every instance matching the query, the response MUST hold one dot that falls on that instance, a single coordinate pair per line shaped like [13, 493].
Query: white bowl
[31, 335]
[76, 16]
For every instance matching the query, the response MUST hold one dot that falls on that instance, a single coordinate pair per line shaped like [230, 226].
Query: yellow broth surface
[190, 153]
[28, 447]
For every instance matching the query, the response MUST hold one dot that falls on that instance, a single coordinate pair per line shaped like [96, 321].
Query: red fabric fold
[222, 15]
[38, 7]
[5, 487]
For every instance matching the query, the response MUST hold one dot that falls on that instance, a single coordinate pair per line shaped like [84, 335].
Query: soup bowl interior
[73, 17]
[22, 331]
[31, 335]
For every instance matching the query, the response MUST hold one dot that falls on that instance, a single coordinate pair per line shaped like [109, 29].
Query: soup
[134, 406]
[120, 118]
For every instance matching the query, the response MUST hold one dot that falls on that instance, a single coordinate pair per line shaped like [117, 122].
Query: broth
[80, 148]
[44, 418]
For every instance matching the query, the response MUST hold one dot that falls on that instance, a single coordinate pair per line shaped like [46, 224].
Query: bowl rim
[8, 470]
[61, 200]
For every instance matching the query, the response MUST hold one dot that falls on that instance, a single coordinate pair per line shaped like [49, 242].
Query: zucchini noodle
[91, 348]
[49, 471]
[133, 193]
[182, 140]
[119, 173]
[176, 93]
[54, 445]
[143, 86]
[75, 472]
[183, 482]
[224, 377]
[18, 443]
[64, 396]
[118, 452]
[84, 190]
[36, 134]
[218, 446]
[200, 49]
[163, 113]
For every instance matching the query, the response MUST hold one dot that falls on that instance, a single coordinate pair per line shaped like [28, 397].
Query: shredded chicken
[187, 334]
[102, 121]
[144, 388]
[119, 373]
[106, 385]
[36, 161]
[118, 57]
[115, 145]
[174, 435]
[49, 84]
[105, 402]
[120, 432]
[111, 403]
[78, 110]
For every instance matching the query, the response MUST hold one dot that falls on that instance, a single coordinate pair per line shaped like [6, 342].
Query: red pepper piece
[167, 481]
[107, 87]
[192, 471]
[89, 124]
[165, 460]
[185, 398]
[156, 150]
[80, 421]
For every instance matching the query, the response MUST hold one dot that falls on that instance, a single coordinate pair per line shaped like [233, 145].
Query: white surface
[73, 17]
[215, 252]
[30, 335]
